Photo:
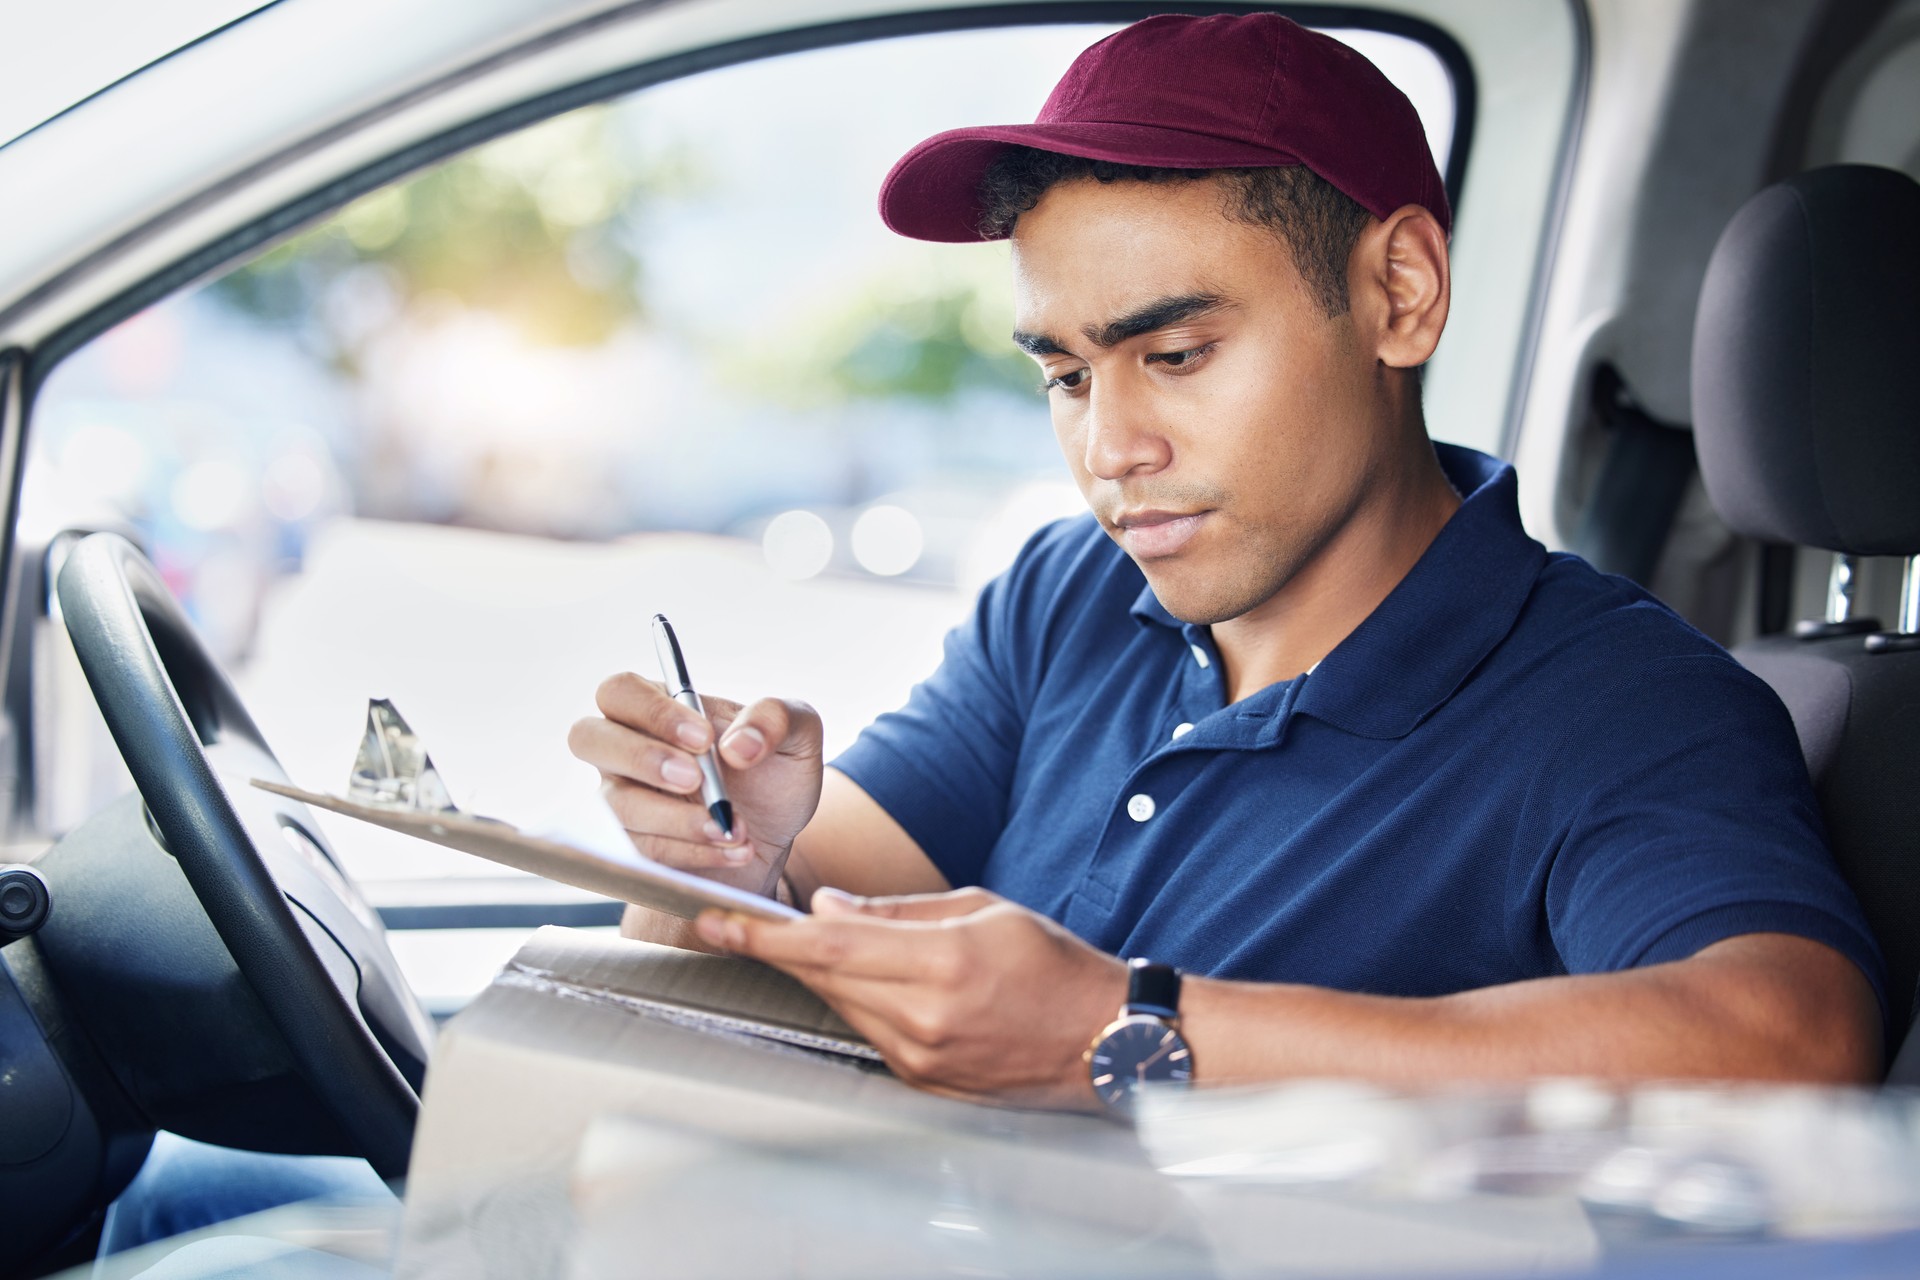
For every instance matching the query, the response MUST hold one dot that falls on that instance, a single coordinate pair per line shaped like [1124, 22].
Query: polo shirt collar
[1456, 604]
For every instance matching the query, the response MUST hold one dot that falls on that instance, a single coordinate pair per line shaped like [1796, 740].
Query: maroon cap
[1193, 93]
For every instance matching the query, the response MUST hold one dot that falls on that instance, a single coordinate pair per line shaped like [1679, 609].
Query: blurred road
[491, 646]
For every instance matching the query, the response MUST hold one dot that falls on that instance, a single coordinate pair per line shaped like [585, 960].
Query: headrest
[1806, 403]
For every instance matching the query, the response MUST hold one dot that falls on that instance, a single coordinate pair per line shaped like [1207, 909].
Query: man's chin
[1189, 600]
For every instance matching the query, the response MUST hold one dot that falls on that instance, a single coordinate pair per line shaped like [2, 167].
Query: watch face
[1136, 1051]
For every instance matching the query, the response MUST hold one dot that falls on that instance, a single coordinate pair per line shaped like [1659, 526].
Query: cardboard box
[573, 1131]
[520, 1075]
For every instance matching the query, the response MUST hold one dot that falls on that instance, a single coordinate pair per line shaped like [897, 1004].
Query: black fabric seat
[1807, 424]
[1858, 715]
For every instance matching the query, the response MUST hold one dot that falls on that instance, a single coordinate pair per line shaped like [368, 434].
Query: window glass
[455, 445]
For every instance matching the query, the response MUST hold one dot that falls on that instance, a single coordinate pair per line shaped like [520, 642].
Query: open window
[454, 445]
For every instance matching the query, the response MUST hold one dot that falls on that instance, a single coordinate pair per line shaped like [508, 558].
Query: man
[1300, 704]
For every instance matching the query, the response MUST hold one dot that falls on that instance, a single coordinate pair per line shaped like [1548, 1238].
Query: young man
[1300, 704]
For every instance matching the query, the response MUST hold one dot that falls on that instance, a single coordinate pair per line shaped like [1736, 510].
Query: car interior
[482, 333]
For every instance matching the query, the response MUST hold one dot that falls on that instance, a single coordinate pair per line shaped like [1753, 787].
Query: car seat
[1807, 424]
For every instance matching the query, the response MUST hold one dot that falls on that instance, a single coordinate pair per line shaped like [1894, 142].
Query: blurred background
[456, 444]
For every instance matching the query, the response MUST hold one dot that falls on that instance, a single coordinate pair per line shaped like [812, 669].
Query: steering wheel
[296, 928]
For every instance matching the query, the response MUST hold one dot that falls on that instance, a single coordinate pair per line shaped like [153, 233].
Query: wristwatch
[1143, 1045]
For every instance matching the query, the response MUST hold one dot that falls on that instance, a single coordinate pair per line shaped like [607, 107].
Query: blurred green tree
[929, 327]
[528, 227]
[538, 227]
[929, 348]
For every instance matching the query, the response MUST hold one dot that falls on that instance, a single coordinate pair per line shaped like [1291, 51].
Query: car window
[456, 445]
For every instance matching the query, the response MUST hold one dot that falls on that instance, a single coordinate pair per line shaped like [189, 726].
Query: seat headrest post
[1840, 587]
[1908, 636]
[1910, 597]
[1839, 620]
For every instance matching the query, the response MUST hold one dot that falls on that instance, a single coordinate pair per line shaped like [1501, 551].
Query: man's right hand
[644, 744]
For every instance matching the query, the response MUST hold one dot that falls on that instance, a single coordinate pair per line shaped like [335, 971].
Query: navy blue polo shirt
[1515, 767]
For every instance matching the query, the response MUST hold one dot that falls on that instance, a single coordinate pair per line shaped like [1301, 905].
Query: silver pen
[673, 669]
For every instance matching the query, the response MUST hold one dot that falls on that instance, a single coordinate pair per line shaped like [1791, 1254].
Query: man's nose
[1122, 437]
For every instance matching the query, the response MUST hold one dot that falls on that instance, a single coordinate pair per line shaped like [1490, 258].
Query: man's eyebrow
[1158, 314]
[1038, 344]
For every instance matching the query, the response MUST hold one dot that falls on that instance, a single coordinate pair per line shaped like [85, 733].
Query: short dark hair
[1318, 221]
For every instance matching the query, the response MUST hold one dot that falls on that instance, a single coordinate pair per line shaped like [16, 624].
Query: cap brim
[933, 193]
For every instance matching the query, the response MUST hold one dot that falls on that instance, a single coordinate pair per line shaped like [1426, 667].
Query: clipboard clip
[393, 769]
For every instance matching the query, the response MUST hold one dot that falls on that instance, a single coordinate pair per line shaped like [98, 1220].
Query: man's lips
[1150, 534]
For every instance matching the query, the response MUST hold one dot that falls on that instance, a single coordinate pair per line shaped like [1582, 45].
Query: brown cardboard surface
[718, 993]
[519, 1076]
[672, 1198]
[579, 1138]
[632, 878]
[878, 1202]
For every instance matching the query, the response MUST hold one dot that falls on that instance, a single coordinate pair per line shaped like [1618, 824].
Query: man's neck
[1347, 579]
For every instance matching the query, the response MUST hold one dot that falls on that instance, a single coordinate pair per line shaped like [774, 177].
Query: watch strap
[1153, 989]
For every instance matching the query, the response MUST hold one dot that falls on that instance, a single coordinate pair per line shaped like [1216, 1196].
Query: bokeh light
[797, 544]
[294, 487]
[212, 494]
[887, 540]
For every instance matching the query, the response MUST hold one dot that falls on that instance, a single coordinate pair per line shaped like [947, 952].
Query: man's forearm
[1760, 1007]
[854, 844]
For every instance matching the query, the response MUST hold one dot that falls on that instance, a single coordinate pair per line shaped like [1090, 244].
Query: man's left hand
[964, 993]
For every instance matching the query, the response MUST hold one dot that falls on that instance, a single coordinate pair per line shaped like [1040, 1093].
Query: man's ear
[1401, 287]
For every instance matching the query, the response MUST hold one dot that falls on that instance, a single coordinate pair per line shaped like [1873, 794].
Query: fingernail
[737, 853]
[691, 732]
[746, 745]
[720, 835]
[827, 901]
[679, 772]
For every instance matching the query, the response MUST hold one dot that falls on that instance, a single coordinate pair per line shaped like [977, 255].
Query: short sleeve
[1691, 820]
[943, 765]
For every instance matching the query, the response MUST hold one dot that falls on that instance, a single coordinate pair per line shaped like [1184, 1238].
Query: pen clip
[673, 667]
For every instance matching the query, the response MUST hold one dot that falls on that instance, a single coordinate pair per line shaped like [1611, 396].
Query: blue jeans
[186, 1185]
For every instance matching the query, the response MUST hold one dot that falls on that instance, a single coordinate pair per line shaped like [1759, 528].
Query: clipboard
[632, 877]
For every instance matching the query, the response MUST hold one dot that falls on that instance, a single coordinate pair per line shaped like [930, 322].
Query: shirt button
[1200, 656]
[1140, 807]
[1181, 730]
